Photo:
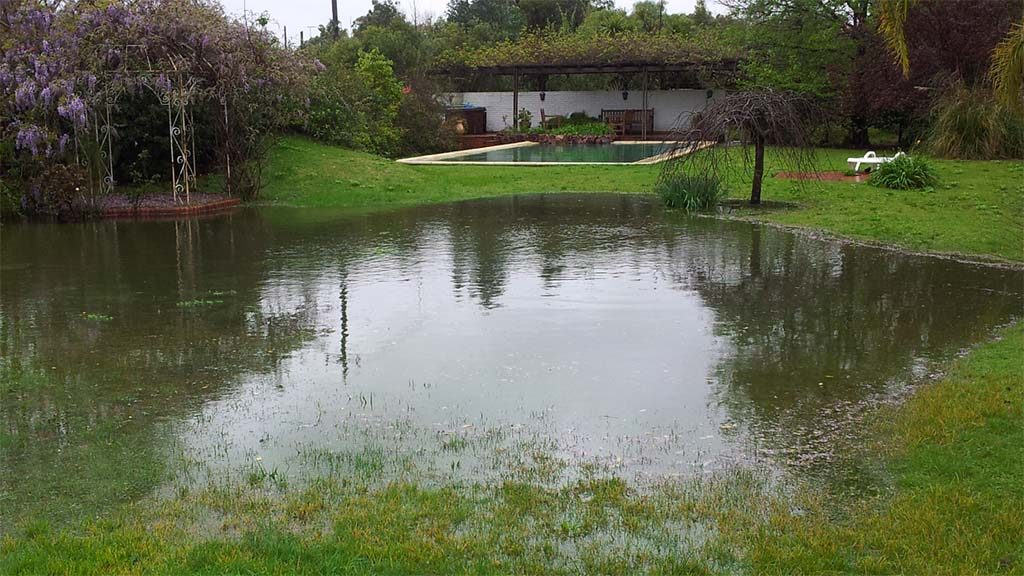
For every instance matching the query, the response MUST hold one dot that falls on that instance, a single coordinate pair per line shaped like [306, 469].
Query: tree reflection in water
[807, 329]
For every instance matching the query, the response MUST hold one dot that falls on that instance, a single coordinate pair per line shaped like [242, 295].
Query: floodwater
[597, 327]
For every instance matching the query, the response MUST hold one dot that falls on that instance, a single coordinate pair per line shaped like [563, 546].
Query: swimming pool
[537, 154]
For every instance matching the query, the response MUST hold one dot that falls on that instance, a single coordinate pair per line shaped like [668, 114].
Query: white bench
[871, 160]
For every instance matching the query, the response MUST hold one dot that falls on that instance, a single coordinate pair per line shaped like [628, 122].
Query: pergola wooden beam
[622, 68]
[645, 68]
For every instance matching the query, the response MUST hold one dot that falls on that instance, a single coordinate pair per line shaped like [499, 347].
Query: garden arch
[175, 90]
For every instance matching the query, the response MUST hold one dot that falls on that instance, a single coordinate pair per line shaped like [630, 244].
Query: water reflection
[658, 343]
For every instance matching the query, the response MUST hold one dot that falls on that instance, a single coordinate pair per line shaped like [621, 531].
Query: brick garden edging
[170, 211]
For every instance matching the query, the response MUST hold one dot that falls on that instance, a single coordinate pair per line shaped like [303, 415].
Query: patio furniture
[547, 121]
[870, 160]
[628, 121]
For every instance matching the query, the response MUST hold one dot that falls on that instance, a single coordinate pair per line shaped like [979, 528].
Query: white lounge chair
[870, 160]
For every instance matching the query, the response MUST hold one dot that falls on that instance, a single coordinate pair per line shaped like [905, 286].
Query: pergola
[644, 67]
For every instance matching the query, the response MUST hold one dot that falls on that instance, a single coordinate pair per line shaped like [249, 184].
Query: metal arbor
[175, 90]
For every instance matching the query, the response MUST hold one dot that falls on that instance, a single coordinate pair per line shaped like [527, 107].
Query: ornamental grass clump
[904, 173]
[689, 192]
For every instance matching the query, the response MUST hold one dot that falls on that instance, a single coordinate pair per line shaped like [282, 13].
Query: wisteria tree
[68, 66]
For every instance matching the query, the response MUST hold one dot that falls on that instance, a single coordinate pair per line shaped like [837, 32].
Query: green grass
[304, 173]
[955, 450]
[976, 209]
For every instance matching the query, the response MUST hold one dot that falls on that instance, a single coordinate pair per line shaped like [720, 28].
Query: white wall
[668, 105]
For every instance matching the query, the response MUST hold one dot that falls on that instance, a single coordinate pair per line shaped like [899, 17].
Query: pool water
[610, 153]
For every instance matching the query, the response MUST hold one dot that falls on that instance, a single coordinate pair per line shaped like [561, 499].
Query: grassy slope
[978, 208]
[303, 173]
[955, 447]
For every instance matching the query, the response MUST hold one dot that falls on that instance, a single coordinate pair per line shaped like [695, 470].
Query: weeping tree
[730, 136]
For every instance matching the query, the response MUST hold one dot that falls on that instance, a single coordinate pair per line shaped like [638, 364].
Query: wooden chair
[550, 121]
[615, 119]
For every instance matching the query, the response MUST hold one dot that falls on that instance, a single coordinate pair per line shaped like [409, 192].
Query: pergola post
[515, 100]
[643, 118]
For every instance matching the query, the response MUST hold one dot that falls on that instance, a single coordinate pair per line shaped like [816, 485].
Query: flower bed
[562, 139]
[831, 176]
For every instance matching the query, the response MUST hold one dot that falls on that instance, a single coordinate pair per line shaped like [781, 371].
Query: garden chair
[615, 119]
[870, 160]
[550, 121]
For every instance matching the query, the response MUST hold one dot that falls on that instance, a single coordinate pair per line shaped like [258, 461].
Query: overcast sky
[307, 15]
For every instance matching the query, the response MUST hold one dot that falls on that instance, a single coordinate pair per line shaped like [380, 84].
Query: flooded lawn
[459, 342]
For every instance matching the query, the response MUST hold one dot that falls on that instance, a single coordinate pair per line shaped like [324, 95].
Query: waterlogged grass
[976, 208]
[198, 303]
[956, 450]
[955, 507]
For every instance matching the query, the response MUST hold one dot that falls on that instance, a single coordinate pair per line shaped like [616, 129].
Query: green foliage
[689, 192]
[1007, 69]
[798, 47]
[491, 20]
[198, 303]
[568, 48]
[608, 23]
[357, 107]
[383, 95]
[971, 123]
[905, 172]
[524, 119]
[332, 116]
[589, 128]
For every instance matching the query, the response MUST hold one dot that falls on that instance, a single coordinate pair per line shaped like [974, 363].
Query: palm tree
[1007, 69]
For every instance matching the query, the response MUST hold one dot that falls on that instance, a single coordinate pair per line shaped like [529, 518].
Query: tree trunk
[859, 131]
[755, 189]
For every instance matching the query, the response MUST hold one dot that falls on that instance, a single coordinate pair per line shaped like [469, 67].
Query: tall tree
[812, 46]
[500, 19]
[383, 13]
[542, 14]
[897, 18]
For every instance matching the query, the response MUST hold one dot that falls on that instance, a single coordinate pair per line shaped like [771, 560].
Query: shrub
[421, 120]
[581, 129]
[903, 173]
[524, 119]
[689, 192]
[332, 116]
[970, 123]
[382, 98]
[357, 106]
[60, 190]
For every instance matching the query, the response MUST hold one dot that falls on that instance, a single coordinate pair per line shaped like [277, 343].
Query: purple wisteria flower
[31, 138]
[25, 95]
[74, 110]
